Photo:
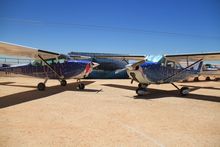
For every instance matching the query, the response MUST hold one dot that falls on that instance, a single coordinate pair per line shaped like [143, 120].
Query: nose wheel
[81, 86]
[142, 89]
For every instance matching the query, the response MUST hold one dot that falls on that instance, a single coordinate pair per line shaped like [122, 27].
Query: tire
[63, 82]
[184, 91]
[141, 91]
[196, 79]
[41, 86]
[185, 80]
[208, 79]
[81, 86]
[139, 85]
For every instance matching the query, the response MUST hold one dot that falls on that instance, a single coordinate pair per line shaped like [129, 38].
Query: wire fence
[11, 61]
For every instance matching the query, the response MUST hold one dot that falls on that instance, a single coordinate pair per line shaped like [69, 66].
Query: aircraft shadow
[8, 84]
[202, 81]
[17, 98]
[213, 88]
[158, 93]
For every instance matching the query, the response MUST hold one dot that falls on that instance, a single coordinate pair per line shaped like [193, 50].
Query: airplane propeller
[94, 64]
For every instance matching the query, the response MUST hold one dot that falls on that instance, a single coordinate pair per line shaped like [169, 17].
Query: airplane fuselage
[68, 69]
[156, 73]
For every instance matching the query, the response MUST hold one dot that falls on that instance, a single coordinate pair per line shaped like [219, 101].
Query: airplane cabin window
[178, 66]
[163, 61]
[36, 63]
[170, 64]
[61, 60]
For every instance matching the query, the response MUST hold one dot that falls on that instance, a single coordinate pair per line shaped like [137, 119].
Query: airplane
[165, 69]
[47, 65]
[107, 67]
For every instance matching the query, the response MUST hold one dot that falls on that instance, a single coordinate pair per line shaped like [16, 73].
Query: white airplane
[165, 69]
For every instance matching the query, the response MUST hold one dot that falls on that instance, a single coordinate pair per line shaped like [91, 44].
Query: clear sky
[115, 26]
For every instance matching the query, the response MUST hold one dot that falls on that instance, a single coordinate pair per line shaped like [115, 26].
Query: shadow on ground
[26, 96]
[158, 93]
[9, 84]
[203, 87]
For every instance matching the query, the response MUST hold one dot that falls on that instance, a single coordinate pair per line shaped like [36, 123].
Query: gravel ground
[107, 113]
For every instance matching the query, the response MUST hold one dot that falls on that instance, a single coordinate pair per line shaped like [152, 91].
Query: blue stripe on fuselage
[79, 61]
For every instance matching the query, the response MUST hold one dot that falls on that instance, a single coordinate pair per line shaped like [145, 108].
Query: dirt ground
[107, 113]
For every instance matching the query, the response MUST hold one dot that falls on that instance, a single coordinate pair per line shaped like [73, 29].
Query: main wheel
[63, 82]
[41, 86]
[184, 91]
[196, 79]
[81, 86]
[207, 78]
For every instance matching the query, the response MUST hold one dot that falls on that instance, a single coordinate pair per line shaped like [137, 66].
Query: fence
[11, 61]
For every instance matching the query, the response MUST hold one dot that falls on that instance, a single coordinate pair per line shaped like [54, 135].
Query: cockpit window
[170, 64]
[36, 63]
[154, 58]
[61, 60]
[173, 64]
[49, 61]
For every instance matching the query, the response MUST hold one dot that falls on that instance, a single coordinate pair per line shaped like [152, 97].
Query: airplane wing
[79, 57]
[123, 57]
[22, 51]
[195, 57]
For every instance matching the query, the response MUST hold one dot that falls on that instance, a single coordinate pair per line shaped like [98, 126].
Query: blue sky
[115, 26]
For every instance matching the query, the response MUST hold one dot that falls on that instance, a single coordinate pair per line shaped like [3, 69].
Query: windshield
[49, 61]
[154, 58]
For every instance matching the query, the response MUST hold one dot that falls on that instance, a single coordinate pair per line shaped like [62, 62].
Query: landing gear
[196, 79]
[81, 86]
[41, 86]
[208, 79]
[63, 82]
[141, 90]
[184, 91]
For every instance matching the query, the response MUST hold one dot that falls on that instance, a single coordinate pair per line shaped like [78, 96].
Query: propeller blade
[94, 64]
[120, 70]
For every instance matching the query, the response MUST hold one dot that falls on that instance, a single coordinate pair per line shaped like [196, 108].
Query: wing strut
[183, 70]
[48, 65]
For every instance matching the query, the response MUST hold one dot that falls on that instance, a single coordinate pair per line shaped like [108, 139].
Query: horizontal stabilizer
[122, 57]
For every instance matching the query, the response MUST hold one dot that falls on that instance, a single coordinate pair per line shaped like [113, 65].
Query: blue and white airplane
[165, 69]
[47, 65]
